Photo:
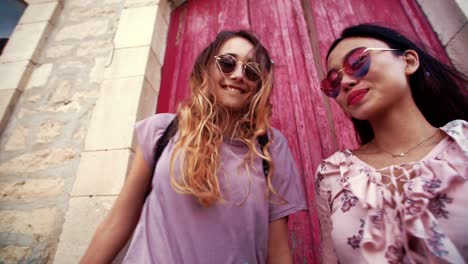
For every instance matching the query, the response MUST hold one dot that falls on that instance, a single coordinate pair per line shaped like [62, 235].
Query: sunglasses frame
[335, 91]
[244, 67]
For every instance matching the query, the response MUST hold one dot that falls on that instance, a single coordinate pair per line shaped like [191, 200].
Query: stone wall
[41, 146]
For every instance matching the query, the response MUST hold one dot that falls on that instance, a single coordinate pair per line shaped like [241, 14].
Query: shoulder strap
[263, 140]
[170, 132]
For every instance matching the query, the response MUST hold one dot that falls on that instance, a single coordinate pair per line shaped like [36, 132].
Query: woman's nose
[348, 81]
[237, 73]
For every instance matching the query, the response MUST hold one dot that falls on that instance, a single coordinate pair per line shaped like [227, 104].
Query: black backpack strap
[169, 133]
[263, 140]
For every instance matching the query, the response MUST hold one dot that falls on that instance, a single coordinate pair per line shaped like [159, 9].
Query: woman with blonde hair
[213, 183]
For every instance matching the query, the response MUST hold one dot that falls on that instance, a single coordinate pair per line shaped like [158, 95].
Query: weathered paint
[297, 34]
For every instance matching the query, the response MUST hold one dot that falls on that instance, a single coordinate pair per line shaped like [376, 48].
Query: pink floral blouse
[364, 219]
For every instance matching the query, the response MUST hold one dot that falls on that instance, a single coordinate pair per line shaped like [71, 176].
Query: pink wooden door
[297, 34]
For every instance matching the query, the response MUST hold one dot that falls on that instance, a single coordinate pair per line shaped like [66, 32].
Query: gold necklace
[402, 154]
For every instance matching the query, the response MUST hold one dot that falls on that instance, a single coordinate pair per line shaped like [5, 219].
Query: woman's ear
[411, 61]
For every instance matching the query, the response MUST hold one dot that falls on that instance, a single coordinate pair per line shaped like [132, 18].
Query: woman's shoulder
[456, 128]
[338, 158]
[156, 122]
[334, 164]
[158, 118]
[277, 135]
[458, 131]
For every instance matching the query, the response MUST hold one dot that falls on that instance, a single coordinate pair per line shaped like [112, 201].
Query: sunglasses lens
[252, 71]
[331, 84]
[227, 63]
[357, 63]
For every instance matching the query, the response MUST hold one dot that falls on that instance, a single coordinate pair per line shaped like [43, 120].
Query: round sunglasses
[227, 64]
[356, 63]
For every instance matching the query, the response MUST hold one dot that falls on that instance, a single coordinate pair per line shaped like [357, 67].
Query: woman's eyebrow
[247, 59]
[232, 54]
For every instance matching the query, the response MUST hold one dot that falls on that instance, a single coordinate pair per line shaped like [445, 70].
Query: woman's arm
[323, 210]
[278, 242]
[112, 234]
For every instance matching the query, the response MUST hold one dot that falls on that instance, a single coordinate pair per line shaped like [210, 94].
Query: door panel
[192, 27]
[297, 34]
[298, 111]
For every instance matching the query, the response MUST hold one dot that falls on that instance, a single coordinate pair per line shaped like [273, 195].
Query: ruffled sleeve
[326, 173]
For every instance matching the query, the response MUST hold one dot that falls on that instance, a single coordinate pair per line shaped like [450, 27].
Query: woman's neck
[229, 124]
[400, 129]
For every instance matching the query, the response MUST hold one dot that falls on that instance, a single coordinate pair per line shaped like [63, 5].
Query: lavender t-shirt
[175, 228]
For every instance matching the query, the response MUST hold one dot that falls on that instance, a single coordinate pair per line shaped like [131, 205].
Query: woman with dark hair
[401, 196]
[214, 193]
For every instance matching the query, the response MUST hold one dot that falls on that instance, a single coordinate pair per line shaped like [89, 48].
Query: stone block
[28, 190]
[457, 50]
[148, 101]
[14, 254]
[158, 44]
[31, 222]
[14, 75]
[94, 48]
[97, 72]
[6, 96]
[153, 71]
[446, 18]
[33, 2]
[92, 12]
[49, 130]
[114, 116]
[39, 76]
[463, 5]
[58, 51]
[81, 220]
[41, 12]
[62, 92]
[8, 99]
[36, 161]
[136, 27]
[140, 3]
[165, 10]
[81, 3]
[61, 107]
[101, 172]
[84, 30]
[26, 42]
[128, 62]
[176, 3]
[17, 139]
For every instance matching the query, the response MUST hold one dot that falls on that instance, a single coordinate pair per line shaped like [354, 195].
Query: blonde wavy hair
[200, 130]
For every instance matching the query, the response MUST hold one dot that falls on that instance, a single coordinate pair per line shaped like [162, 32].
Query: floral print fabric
[367, 219]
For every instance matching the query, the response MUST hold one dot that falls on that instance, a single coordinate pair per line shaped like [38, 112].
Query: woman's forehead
[238, 46]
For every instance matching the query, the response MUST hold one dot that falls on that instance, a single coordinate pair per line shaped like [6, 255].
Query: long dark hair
[438, 89]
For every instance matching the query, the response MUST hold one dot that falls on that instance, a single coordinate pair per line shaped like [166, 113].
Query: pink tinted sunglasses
[356, 63]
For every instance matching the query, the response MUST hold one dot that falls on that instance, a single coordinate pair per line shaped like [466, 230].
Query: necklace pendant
[398, 155]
